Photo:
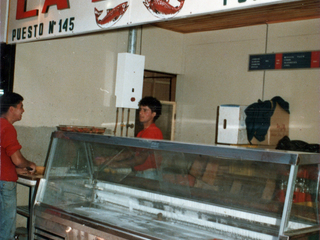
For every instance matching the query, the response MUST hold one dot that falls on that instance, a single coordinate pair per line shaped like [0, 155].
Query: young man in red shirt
[11, 161]
[149, 111]
[143, 161]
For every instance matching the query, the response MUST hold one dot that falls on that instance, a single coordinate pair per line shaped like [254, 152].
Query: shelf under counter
[31, 181]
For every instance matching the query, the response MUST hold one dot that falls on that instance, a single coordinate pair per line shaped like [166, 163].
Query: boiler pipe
[122, 124]
[127, 126]
[132, 41]
[115, 127]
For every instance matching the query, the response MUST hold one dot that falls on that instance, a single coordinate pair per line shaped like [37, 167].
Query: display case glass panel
[136, 183]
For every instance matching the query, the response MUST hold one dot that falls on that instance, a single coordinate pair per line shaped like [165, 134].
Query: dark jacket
[258, 117]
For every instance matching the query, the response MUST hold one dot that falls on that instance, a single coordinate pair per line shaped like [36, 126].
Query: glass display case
[105, 187]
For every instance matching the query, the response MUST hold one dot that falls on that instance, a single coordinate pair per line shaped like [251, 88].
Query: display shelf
[220, 192]
[31, 182]
[23, 210]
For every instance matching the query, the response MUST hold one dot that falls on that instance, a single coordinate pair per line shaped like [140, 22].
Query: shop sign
[292, 60]
[31, 20]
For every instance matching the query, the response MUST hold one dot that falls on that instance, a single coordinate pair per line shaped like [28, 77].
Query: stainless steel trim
[288, 200]
[246, 154]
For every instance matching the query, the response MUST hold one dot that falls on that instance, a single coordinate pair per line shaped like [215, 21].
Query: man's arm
[132, 161]
[19, 160]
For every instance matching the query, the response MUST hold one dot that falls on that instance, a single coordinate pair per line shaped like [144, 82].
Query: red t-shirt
[9, 145]
[152, 132]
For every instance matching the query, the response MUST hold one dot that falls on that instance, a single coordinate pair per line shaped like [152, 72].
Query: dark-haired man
[149, 111]
[11, 161]
[143, 161]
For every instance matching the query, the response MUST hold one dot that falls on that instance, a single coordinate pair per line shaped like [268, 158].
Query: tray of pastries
[81, 129]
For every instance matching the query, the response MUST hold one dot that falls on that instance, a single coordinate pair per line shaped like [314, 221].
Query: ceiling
[284, 12]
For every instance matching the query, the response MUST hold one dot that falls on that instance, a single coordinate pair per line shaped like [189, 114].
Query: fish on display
[162, 8]
[112, 17]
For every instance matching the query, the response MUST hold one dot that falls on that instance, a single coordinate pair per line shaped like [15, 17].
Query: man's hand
[22, 171]
[27, 170]
[99, 161]
[32, 168]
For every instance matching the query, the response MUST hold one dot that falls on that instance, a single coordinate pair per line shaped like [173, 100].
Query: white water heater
[129, 80]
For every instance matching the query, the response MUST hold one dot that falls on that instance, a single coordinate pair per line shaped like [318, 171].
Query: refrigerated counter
[195, 191]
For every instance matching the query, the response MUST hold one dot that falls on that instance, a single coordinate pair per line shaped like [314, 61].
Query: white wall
[69, 81]
[163, 50]
[300, 88]
[216, 72]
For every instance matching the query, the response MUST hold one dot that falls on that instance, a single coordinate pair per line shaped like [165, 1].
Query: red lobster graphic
[162, 8]
[113, 15]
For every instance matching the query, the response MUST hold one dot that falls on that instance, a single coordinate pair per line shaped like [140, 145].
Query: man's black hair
[9, 99]
[154, 104]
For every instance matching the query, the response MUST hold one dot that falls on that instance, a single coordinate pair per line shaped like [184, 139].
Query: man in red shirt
[149, 111]
[143, 161]
[11, 161]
